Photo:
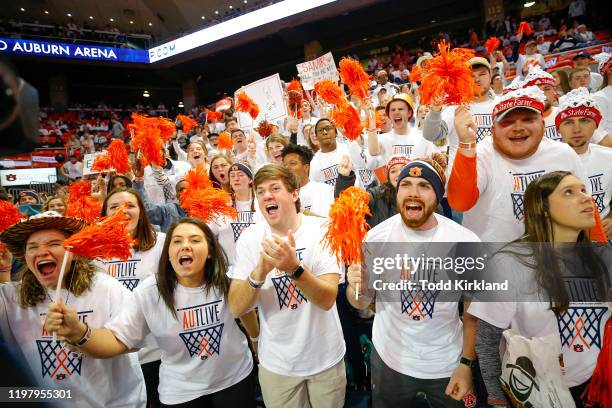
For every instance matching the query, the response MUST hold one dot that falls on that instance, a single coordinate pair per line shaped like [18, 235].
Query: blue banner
[78, 51]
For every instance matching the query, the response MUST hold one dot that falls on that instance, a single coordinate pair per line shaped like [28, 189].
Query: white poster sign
[88, 160]
[311, 72]
[268, 94]
[23, 177]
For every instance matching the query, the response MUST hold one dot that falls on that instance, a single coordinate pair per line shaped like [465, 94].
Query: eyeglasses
[325, 129]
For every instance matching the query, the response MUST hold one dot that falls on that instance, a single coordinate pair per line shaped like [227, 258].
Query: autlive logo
[11, 177]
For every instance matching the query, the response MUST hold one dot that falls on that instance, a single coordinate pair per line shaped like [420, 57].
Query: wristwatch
[297, 272]
[468, 362]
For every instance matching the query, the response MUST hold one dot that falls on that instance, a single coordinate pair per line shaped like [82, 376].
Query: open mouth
[223, 178]
[398, 121]
[272, 209]
[185, 260]
[46, 267]
[196, 157]
[413, 209]
[519, 139]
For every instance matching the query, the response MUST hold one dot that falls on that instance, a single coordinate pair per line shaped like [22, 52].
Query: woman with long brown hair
[218, 173]
[141, 264]
[558, 215]
[93, 296]
[205, 358]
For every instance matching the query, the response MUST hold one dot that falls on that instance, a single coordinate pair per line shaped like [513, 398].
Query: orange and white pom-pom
[448, 79]
[264, 129]
[80, 203]
[245, 104]
[353, 75]
[347, 227]
[329, 91]
[106, 239]
[188, 123]
[225, 142]
[213, 116]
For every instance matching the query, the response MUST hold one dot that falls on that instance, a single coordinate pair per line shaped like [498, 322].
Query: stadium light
[146, 94]
[22, 9]
[529, 4]
[91, 17]
[46, 11]
[69, 14]
[180, 105]
[248, 21]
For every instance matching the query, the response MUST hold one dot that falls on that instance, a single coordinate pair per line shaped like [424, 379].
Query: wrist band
[469, 145]
[255, 284]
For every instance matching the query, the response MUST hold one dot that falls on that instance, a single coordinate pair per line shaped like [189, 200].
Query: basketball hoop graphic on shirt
[238, 227]
[579, 328]
[57, 362]
[203, 343]
[418, 304]
[520, 181]
[598, 192]
[330, 174]
[288, 294]
[366, 176]
[483, 124]
[124, 272]
[130, 283]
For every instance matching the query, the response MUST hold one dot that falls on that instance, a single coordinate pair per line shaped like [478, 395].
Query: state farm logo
[11, 177]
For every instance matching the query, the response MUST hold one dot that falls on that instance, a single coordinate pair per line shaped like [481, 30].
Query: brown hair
[277, 138]
[145, 234]
[211, 176]
[215, 268]
[312, 146]
[276, 172]
[574, 71]
[563, 80]
[31, 292]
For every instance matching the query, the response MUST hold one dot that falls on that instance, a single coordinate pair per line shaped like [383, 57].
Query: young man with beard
[400, 140]
[419, 345]
[578, 118]
[488, 179]
[441, 123]
[282, 268]
[316, 198]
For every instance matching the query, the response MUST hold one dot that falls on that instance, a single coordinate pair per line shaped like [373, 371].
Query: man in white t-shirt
[400, 140]
[419, 346]
[439, 124]
[73, 169]
[546, 83]
[283, 268]
[383, 83]
[240, 145]
[324, 164]
[578, 118]
[315, 198]
[582, 60]
[488, 182]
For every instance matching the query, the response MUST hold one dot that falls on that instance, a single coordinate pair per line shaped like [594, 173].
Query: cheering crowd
[202, 313]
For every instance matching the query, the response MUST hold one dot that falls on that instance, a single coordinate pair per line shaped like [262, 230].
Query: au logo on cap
[415, 172]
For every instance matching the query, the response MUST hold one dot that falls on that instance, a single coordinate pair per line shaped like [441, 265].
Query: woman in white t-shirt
[131, 272]
[205, 358]
[558, 211]
[218, 171]
[94, 298]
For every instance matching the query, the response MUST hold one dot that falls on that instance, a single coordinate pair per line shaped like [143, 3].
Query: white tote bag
[531, 372]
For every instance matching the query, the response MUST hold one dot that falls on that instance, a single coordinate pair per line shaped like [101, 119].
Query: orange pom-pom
[197, 179]
[378, 118]
[147, 137]
[81, 204]
[599, 391]
[294, 86]
[225, 142]
[329, 91]
[416, 73]
[166, 127]
[119, 156]
[347, 227]
[102, 162]
[524, 28]
[448, 79]
[207, 204]
[9, 215]
[492, 44]
[353, 75]
[213, 116]
[106, 239]
[264, 129]
[245, 104]
[188, 123]
[345, 117]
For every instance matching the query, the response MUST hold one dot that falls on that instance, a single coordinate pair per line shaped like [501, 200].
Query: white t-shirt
[412, 145]
[74, 170]
[324, 166]
[498, 214]
[202, 348]
[481, 112]
[550, 129]
[317, 197]
[113, 382]
[597, 162]
[604, 100]
[296, 337]
[228, 230]
[155, 192]
[420, 341]
[130, 273]
[535, 319]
